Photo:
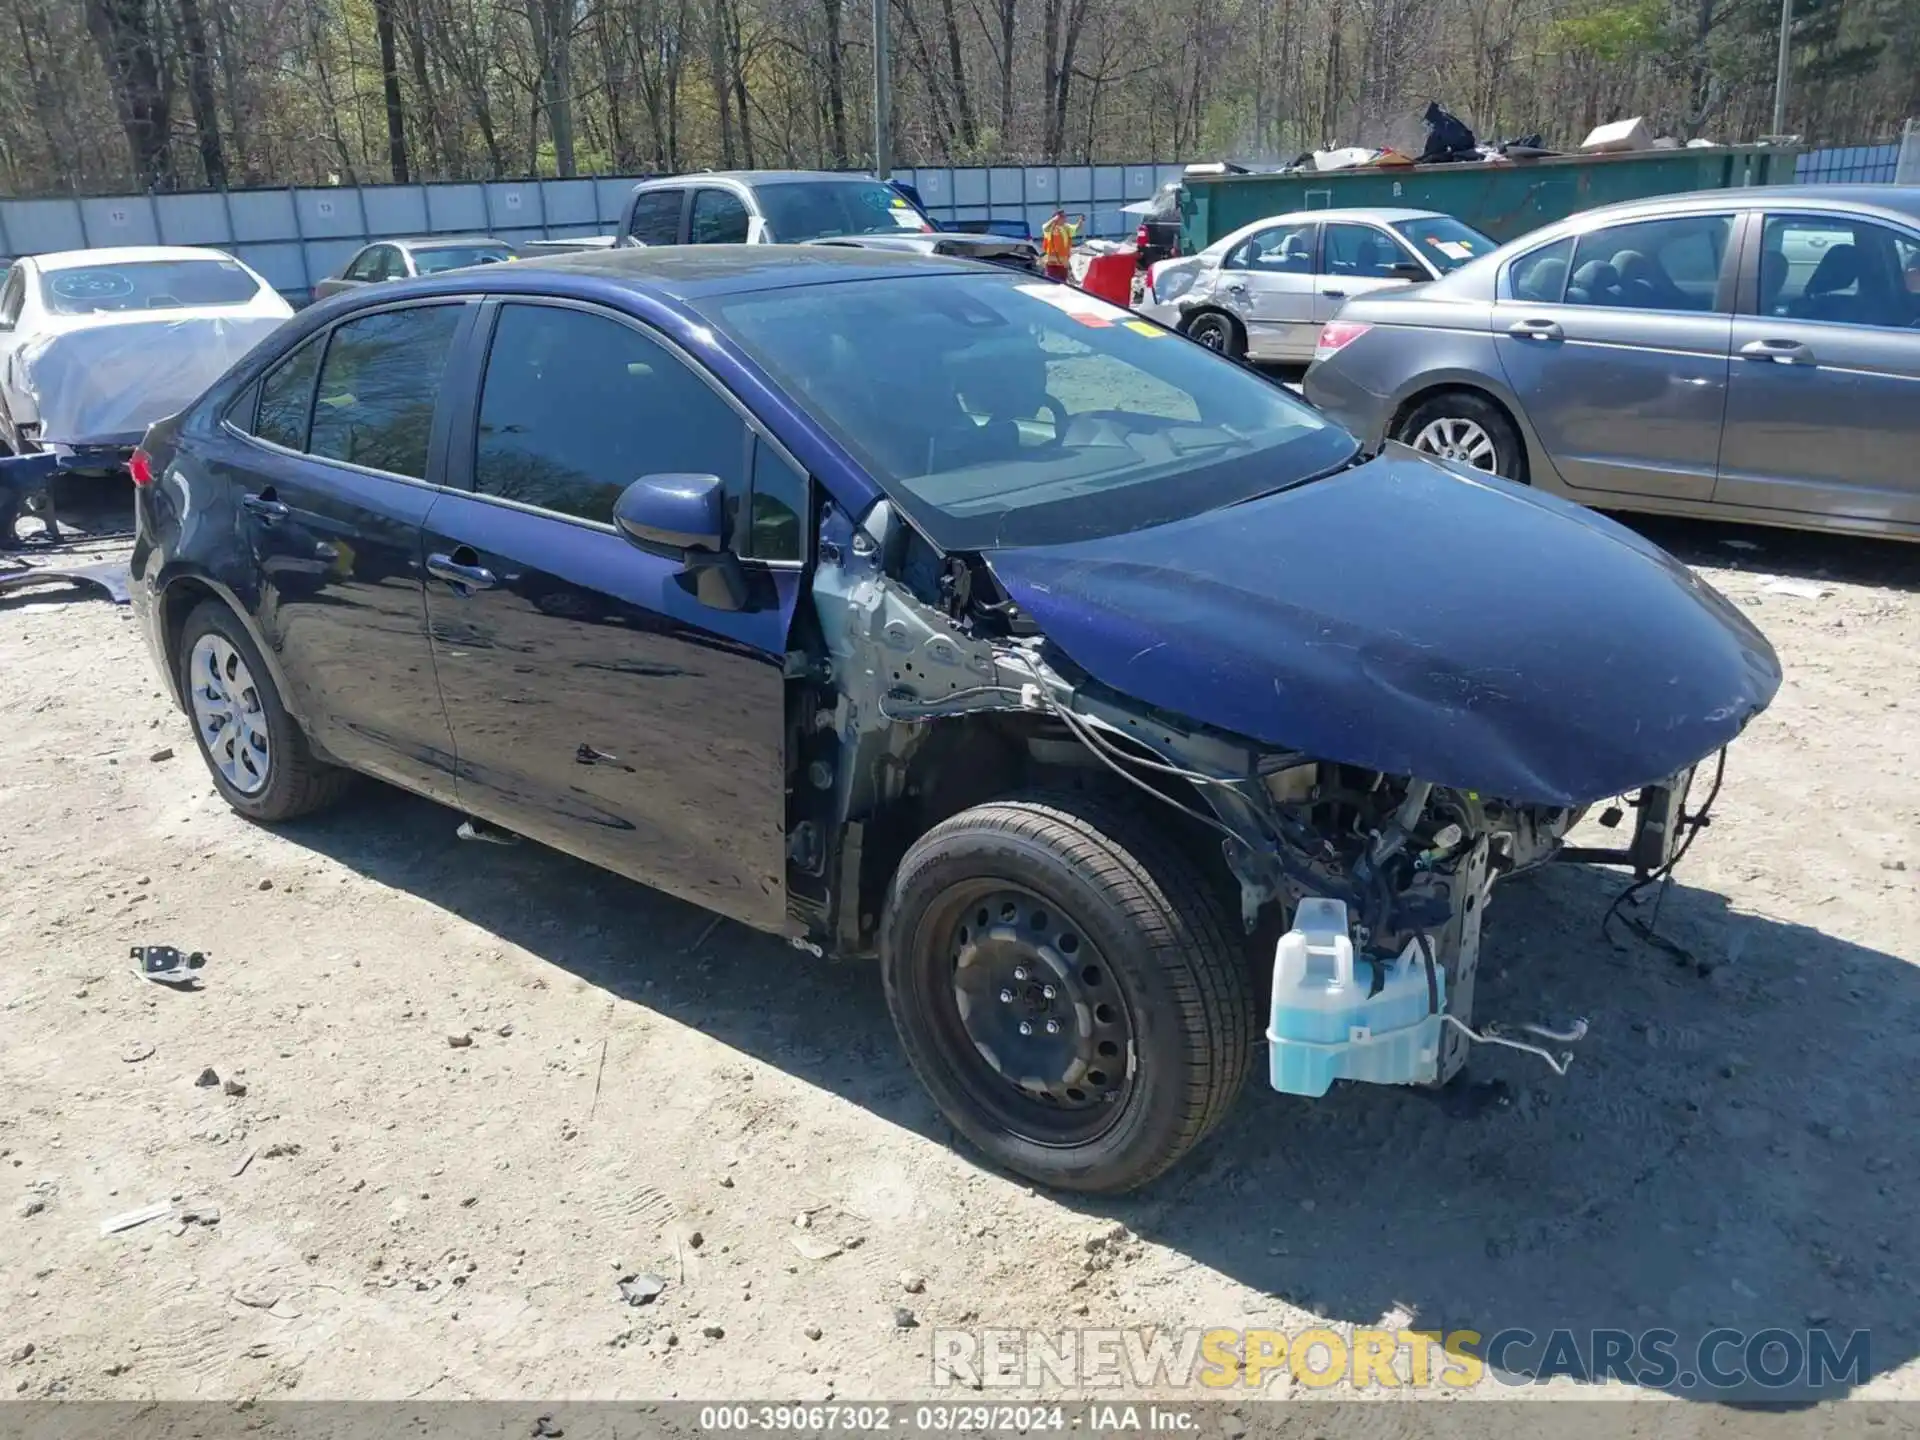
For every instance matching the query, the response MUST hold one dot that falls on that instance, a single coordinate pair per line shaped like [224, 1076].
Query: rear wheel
[1217, 333]
[260, 761]
[1068, 988]
[1461, 426]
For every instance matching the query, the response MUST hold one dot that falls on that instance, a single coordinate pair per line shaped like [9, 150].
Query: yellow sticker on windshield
[1146, 328]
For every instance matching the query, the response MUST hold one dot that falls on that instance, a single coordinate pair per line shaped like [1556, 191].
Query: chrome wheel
[228, 714]
[1455, 438]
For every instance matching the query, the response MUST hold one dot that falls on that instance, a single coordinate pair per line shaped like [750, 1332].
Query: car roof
[125, 255]
[689, 272]
[440, 242]
[751, 178]
[1899, 199]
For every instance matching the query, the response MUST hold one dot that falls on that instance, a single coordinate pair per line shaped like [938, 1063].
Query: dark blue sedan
[911, 608]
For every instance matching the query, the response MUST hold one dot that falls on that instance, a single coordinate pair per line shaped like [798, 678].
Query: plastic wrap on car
[119, 376]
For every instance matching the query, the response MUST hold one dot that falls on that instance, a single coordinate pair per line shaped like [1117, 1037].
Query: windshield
[454, 257]
[1444, 241]
[146, 285]
[801, 210]
[999, 411]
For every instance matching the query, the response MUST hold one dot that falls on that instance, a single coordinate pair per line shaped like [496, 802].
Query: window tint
[377, 389]
[286, 397]
[1651, 264]
[146, 285]
[1835, 268]
[1279, 250]
[656, 217]
[719, 218]
[1360, 251]
[779, 507]
[576, 407]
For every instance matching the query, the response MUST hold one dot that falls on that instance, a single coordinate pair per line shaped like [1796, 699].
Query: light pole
[1780, 76]
[882, 102]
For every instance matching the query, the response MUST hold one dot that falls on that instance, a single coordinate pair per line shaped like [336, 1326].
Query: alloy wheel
[1457, 438]
[228, 714]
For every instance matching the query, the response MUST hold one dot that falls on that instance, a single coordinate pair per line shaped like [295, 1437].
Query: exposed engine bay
[929, 689]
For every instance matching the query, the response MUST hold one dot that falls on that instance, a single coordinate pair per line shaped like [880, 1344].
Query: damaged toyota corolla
[915, 610]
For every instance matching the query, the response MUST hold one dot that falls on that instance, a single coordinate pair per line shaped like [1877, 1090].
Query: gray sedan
[1750, 355]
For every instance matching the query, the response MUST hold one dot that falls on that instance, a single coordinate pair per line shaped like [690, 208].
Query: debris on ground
[134, 1054]
[235, 1088]
[459, 1039]
[1799, 589]
[209, 1078]
[911, 1283]
[30, 1207]
[641, 1289]
[166, 965]
[905, 1319]
[812, 1247]
[114, 1224]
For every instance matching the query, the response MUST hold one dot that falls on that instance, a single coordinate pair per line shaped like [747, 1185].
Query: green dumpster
[1502, 198]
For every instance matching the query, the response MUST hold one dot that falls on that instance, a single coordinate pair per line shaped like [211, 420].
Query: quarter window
[366, 265]
[1651, 264]
[1540, 276]
[377, 388]
[1835, 268]
[576, 407]
[286, 397]
[719, 218]
[656, 217]
[778, 507]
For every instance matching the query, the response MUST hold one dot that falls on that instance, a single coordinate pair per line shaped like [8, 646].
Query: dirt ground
[465, 1089]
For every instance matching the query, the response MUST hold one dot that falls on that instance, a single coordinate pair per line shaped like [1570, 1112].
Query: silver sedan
[1264, 291]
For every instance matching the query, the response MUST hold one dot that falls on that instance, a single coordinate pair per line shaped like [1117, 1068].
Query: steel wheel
[1035, 1015]
[228, 713]
[1457, 438]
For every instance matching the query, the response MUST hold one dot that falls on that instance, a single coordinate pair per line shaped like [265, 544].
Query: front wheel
[1216, 332]
[1069, 988]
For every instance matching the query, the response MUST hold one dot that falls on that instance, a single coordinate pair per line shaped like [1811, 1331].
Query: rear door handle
[1236, 289]
[1781, 352]
[265, 506]
[1536, 330]
[463, 575]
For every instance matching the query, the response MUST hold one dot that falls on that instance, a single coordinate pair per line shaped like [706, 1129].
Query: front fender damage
[1413, 862]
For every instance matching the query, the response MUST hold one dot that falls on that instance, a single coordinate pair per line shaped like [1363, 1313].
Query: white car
[1264, 291]
[96, 345]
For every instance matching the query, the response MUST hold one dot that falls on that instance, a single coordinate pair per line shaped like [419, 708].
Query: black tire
[1510, 453]
[297, 782]
[1217, 332]
[1158, 941]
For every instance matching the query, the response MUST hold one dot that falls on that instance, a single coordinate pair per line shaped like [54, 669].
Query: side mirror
[1408, 270]
[683, 517]
[672, 514]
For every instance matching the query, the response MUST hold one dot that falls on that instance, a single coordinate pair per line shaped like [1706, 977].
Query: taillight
[1140, 237]
[140, 467]
[1335, 336]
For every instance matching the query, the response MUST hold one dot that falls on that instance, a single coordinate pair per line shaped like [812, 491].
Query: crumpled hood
[1405, 618]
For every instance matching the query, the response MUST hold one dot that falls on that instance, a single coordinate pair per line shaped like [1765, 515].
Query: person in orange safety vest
[1056, 243]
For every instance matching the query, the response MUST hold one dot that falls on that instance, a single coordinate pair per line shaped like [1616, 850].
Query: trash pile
[1451, 141]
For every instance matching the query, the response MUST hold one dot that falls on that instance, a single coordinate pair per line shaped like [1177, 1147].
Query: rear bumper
[143, 571]
[1357, 409]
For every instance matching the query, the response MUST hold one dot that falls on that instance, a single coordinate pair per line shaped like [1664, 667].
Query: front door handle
[463, 575]
[265, 506]
[1236, 289]
[1334, 294]
[1536, 330]
[1781, 352]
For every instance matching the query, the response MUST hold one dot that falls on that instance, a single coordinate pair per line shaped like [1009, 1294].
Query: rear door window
[1277, 250]
[378, 385]
[656, 217]
[577, 406]
[1839, 269]
[367, 264]
[1651, 264]
[719, 218]
[286, 397]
